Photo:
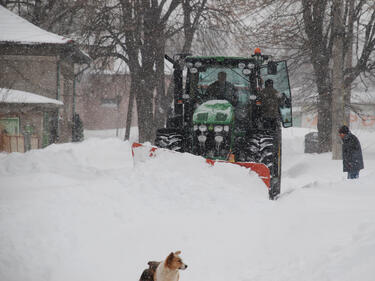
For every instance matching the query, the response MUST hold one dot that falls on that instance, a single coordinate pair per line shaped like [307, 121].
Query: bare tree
[60, 16]
[362, 16]
[304, 29]
[134, 32]
[338, 111]
[179, 41]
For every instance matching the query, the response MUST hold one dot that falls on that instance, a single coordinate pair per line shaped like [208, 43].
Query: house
[37, 62]
[103, 99]
[32, 109]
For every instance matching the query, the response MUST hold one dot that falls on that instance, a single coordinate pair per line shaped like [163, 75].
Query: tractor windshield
[221, 82]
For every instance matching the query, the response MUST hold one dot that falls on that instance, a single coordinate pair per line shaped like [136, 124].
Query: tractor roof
[220, 59]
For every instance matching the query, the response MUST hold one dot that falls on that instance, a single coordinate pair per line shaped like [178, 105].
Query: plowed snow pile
[84, 212]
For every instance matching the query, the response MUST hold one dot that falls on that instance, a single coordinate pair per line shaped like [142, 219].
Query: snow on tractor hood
[214, 112]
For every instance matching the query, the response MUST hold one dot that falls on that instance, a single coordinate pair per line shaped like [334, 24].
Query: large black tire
[169, 139]
[265, 148]
[275, 168]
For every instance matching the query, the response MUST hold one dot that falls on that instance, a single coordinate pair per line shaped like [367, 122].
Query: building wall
[366, 120]
[97, 96]
[96, 100]
[39, 75]
[35, 74]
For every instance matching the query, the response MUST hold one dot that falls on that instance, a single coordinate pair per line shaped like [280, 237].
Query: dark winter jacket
[271, 100]
[351, 153]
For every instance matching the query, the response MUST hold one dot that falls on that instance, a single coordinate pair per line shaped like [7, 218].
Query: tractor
[227, 123]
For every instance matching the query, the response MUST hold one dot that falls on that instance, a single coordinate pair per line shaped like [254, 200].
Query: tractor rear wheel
[265, 148]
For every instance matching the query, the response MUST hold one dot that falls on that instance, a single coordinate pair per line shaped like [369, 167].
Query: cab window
[202, 80]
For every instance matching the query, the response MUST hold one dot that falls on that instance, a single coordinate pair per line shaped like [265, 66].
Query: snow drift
[85, 212]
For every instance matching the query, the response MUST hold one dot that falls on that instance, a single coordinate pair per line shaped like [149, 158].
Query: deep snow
[84, 212]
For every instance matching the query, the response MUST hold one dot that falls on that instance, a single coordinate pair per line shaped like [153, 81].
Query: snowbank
[83, 211]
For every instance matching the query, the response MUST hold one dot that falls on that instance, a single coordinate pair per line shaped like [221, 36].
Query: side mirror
[272, 68]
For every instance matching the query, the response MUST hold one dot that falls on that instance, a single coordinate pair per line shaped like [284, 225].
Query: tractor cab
[219, 81]
[238, 81]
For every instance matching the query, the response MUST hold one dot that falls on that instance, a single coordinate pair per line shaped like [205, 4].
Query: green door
[45, 137]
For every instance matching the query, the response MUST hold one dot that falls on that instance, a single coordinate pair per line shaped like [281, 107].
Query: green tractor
[226, 122]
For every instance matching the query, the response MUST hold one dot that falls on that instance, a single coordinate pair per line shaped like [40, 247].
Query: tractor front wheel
[170, 139]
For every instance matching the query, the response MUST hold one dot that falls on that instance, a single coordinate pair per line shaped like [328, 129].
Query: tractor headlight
[246, 71]
[226, 128]
[218, 129]
[189, 64]
[195, 127]
[198, 64]
[202, 128]
[202, 138]
[219, 139]
[241, 65]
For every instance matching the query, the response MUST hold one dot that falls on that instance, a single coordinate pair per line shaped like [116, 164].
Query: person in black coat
[351, 153]
[221, 89]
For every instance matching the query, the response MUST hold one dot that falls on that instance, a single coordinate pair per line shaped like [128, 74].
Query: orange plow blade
[142, 152]
[261, 169]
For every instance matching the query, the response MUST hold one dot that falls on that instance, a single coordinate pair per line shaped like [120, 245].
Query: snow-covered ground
[84, 212]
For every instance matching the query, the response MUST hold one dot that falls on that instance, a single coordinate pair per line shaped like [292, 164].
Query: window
[233, 75]
[11, 125]
[109, 102]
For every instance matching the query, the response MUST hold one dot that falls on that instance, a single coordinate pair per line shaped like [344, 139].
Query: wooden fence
[14, 143]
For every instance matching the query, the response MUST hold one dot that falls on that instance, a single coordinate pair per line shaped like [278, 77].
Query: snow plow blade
[142, 152]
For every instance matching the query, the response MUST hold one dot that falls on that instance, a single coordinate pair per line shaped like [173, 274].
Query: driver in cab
[222, 89]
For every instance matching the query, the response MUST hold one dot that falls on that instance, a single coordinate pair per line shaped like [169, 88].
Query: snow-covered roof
[16, 96]
[14, 28]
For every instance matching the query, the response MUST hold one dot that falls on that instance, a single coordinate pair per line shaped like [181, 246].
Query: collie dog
[168, 270]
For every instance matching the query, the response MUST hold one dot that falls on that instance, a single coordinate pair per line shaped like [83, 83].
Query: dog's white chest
[165, 274]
